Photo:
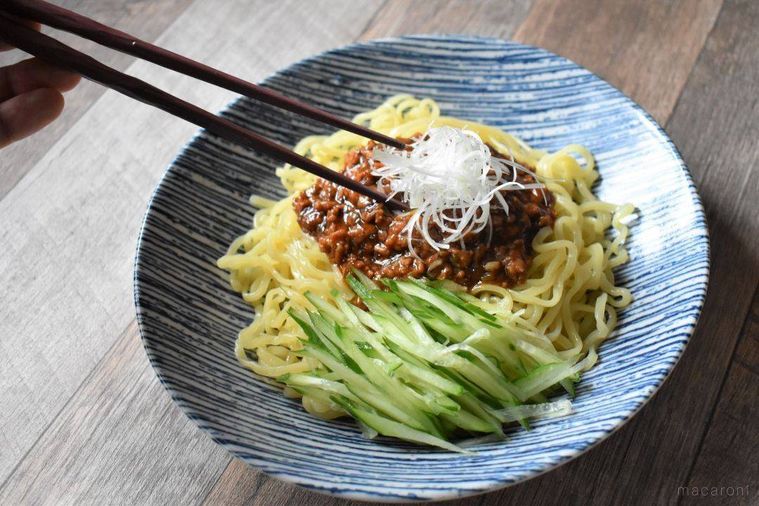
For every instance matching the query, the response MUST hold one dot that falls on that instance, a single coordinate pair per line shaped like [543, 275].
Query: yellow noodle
[569, 300]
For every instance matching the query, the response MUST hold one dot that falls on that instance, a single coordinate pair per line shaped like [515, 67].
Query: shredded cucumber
[544, 410]
[425, 363]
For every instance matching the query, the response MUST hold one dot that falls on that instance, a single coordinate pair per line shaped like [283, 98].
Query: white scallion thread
[449, 178]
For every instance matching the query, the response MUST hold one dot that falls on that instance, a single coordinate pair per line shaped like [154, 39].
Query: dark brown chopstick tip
[397, 205]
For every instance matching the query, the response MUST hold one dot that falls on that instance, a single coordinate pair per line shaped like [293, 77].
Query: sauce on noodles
[357, 232]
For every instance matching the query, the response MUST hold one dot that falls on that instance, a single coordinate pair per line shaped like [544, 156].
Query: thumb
[27, 113]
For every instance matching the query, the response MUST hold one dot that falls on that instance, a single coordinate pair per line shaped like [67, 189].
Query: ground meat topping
[357, 232]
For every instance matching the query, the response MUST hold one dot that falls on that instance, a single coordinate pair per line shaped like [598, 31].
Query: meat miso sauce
[356, 232]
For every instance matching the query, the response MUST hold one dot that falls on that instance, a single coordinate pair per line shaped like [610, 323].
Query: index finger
[32, 24]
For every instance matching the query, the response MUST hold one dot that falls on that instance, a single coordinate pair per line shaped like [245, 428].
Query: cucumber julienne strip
[424, 363]
[545, 410]
[388, 427]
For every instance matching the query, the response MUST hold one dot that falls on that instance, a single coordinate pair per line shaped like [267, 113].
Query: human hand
[30, 96]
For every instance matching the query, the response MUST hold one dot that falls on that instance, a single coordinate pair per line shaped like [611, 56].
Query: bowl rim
[702, 274]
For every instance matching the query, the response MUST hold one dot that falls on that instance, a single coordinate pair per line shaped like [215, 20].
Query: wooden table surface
[83, 419]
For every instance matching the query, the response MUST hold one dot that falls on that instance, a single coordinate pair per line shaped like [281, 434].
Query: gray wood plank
[120, 440]
[716, 123]
[146, 19]
[240, 484]
[490, 18]
[727, 465]
[645, 48]
[69, 227]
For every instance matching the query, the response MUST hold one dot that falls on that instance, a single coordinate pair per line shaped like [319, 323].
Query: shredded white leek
[449, 178]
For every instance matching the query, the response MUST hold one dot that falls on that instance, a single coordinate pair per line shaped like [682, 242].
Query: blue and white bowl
[189, 317]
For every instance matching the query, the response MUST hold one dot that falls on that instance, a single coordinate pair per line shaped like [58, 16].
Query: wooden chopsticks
[63, 19]
[53, 51]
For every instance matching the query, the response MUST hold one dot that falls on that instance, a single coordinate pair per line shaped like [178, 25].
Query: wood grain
[113, 443]
[69, 226]
[491, 18]
[729, 453]
[240, 484]
[720, 104]
[646, 49]
[148, 18]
